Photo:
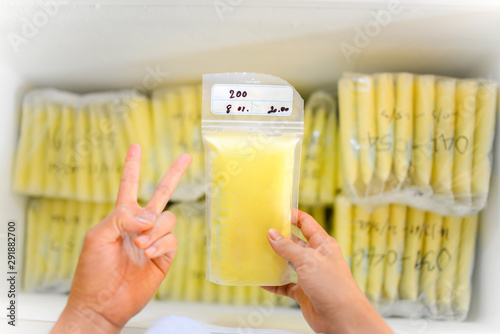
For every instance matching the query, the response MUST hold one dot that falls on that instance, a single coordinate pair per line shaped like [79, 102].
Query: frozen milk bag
[252, 128]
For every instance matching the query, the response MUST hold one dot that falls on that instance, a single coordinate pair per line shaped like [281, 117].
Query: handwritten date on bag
[240, 108]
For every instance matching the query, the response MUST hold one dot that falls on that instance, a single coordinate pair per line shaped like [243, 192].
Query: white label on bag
[252, 100]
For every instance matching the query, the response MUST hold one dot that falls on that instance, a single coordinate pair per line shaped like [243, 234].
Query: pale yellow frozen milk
[384, 124]
[348, 131]
[430, 250]
[447, 279]
[360, 246]
[366, 126]
[395, 249]
[408, 284]
[465, 263]
[403, 126]
[483, 139]
[379, 224]
[251, 180]
[464, 139]
[423, 130]
[442, 170]
[342, 226]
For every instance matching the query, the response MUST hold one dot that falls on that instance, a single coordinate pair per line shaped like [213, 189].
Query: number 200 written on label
[251, 100]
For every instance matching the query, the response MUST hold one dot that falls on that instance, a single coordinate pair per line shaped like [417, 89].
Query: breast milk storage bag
[252, 128]
[420, 140]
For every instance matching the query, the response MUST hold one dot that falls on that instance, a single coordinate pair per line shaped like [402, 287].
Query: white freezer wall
[95, 45]
[12, 207]
[89, 45]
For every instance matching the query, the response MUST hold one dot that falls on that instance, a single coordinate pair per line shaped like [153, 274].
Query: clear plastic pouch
[318, 175]
[55, 230]
[252, 129]
[73, 146]
[417, 140]
[177, 130]
[186, 278]
[408, 262]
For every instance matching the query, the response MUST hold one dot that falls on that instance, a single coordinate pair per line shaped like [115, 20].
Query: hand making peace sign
[109, 287]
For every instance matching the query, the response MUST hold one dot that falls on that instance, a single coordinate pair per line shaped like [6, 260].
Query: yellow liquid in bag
[251, 179]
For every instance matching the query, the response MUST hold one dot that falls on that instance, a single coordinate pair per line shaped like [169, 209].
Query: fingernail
[142, 220]
[184, 157]
[274, 234]
[150, 252]
[142, 239]
[171, 254]
[145, 217]
[133, 150]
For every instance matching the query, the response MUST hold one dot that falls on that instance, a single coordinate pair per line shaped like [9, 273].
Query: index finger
[311, 230]
[166, 187]
[129, 182]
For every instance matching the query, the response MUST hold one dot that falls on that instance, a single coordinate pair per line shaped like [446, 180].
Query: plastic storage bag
[318, 176]
[55, 232]
[186, 278]
[73, 146]
[417, 140]
[177, 130]
[409, 262]
[252, 128]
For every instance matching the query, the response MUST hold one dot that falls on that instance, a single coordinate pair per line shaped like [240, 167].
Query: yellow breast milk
[252, 136]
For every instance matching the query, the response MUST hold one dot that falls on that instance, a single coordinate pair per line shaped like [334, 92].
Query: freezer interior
[88, 46]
